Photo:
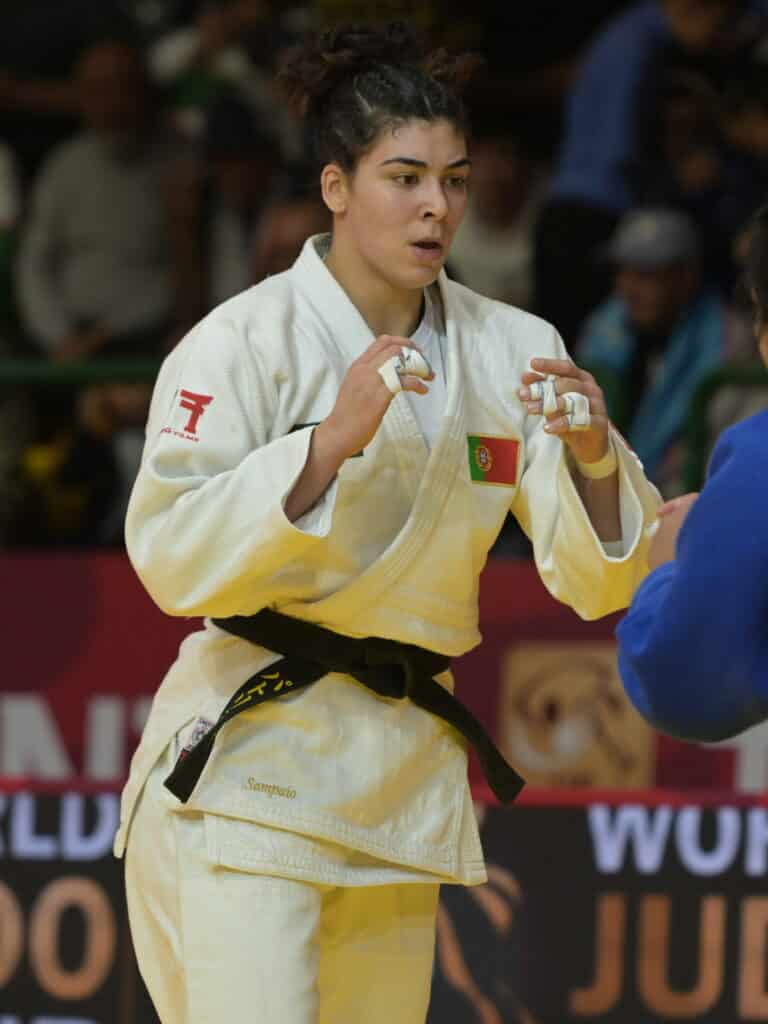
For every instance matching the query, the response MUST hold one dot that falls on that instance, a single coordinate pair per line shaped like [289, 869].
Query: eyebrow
[463, 161]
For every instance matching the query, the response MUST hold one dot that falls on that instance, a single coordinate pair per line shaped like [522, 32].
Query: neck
[386, 309]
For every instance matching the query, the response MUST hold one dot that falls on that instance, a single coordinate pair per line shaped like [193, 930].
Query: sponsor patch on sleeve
[194, 405]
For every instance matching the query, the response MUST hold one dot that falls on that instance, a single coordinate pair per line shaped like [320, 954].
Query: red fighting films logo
[196, 405]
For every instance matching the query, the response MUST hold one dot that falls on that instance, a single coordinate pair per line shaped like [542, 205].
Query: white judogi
[394, 548]
[221, 945]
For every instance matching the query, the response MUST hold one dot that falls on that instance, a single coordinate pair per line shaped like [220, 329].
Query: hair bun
[454, 70]
[314, 69]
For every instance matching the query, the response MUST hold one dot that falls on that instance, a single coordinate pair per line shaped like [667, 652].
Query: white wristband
[604, 467]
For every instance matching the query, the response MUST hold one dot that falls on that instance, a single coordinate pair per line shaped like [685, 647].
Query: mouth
[428, 251]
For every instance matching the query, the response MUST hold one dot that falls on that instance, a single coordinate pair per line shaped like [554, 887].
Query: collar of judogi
[332, 304]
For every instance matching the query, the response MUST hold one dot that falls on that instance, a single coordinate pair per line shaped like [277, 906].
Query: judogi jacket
[394, 548]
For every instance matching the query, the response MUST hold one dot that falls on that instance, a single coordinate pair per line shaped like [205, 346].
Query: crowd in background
[149, 171]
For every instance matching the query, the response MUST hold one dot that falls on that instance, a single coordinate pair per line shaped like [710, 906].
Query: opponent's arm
[693, 648]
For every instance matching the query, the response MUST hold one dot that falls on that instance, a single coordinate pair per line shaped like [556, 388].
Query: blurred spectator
[10, 189]
[40, 44]
[214, 38]
[231, 45]
[708, 156]
[288, 221]
[493, 250]
[95, 270]
[15, 409]
[610, 108]
[76, 476]
[99, 274]
[659, 334]
[683, 165]
[745, 127]
[69, 482]
[532, 52]
[10, 214]
[242, 162]
[154, 19]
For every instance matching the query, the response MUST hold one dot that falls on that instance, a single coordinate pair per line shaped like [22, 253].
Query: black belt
[389, 668]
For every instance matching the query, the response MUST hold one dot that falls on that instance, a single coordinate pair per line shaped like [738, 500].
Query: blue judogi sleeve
[693, 647]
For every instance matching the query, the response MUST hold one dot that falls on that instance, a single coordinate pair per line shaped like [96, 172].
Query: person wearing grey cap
[659, 333]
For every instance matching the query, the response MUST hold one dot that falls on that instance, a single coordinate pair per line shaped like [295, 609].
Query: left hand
[588, 445]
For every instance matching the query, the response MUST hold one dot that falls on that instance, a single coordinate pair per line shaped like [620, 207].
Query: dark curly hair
[757, 264]
[353, 82]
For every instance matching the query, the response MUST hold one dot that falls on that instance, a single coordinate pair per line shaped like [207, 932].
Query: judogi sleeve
[206, 528]
[572, 561]
[693, 648]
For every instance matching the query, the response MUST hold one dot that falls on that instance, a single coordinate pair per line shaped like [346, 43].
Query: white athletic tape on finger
[412, 362]
[545, 391]
[388, 373]
[577, 410]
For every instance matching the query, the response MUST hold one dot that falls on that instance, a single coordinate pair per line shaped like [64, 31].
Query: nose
[435, 203]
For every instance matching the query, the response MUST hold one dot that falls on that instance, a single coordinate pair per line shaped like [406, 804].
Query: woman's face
[761, 329]
[759, 323]
[400, 208]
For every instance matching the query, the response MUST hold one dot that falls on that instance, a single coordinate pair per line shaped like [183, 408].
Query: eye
[459, 182]
[407, 179]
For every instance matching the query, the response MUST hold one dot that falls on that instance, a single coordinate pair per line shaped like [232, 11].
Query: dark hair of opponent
[352, 83]
[757, 265]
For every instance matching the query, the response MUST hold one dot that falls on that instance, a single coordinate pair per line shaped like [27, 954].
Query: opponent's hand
[588, 444]
[672, 515]
[364, 398]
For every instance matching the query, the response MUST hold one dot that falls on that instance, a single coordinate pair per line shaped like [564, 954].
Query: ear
[762, 343]
[335, 188]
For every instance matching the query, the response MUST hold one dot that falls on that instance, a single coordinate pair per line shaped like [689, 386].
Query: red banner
[86, 648]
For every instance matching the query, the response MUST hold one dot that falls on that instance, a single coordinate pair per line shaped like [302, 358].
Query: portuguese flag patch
[493, 460]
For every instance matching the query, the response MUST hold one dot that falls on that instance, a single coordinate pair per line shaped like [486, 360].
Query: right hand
[672, 515]
[364, 398]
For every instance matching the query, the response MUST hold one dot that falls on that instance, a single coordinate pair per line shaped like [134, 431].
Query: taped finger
[388, 373]
[577, 410]
[545, 391]
[411, 361]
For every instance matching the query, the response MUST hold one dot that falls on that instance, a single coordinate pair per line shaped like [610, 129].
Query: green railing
[42, 372]
[700, 436]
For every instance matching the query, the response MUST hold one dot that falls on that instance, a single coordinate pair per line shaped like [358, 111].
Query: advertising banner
[634, 908]
[65, 951]
[620, 913]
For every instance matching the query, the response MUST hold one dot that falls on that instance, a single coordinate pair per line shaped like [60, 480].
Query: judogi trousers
[216, 944]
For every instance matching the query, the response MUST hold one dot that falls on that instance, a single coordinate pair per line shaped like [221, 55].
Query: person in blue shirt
[693, 647]
[659, 334]
[606, 119]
